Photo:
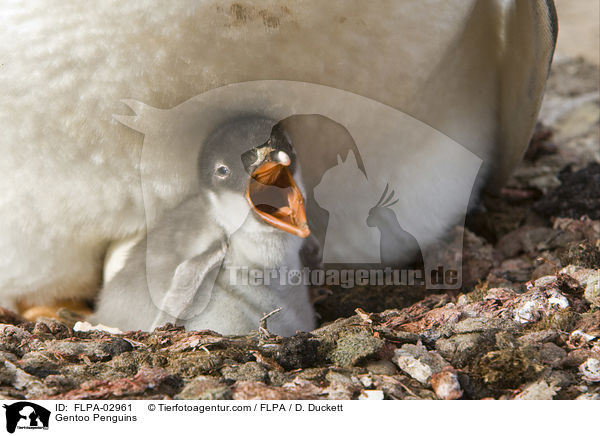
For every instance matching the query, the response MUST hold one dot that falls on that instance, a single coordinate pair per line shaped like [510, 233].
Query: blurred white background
[578, 29]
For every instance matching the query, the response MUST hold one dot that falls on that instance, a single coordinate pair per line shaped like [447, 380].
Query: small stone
[354, 347]
[592, 289]
[7, 330]
[481, 324]
[341, 386]
[95, 351]
[381, 367]
[249, 371]
[575, 197]
[542, 300]
[419, 363]
[26, 382]
[578, 357]
[552, 354]
[578, 339]
[508, 367]
[462, 300]
[403, 337]
[248, 390]
[539, 390]
[446, 385]
[590, 370]
[460, 349]
[584, 254]
[84, 326]
[205, 388]
[39, 364]
[371, 395]
[298, 351]
[48, 326]
[278, 378]
[366, 381]
[541, 337]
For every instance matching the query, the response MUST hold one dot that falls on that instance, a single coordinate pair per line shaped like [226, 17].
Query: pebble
[381, 367]
[590, 370]
[419, 363]
[592, 288]
[371, 395]
[539, 390]
[446, 385]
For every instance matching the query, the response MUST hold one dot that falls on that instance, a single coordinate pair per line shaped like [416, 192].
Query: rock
[250, 371]
[481, 324]
[514, 270]
[52, 327]
[23, 381]
[146, 382]
[205, 388]
[341, 386]
[419, 363]
[581, 228]
[578, 357]
[403, 337]
[540, 337]
[371, 395]
[578, 195]
[39, 364]
[592, 289]
[588, 396]
[384, 367]
[94, 350]
[299, 351]
[531, 240]
[366, 381]
[192, 364]
[589, 323]
[477, 257]
[14, 339]
[84, 326]
[540, 177]
[578, 339]
[584, 253]
[539, 390]
[508, 368]
[461, 349]
[544, 299]
[590, 370]
[248, 390]
[446, 385]
[354, 347]
[278, 378]
[551, 354]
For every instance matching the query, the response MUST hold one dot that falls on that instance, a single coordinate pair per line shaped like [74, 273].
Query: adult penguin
[473, 70]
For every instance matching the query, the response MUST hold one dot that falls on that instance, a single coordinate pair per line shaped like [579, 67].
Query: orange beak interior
[275, 197]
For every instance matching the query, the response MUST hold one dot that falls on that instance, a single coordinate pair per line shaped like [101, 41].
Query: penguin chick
[248, 214]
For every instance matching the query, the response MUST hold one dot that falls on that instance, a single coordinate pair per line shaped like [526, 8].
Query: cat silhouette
[344, 191]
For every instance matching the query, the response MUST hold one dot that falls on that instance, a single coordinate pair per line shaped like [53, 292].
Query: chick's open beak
[275, 197]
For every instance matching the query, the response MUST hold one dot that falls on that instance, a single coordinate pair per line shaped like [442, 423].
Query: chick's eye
[222, 171]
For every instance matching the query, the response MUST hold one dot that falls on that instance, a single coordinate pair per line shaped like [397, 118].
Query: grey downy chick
[192, 267]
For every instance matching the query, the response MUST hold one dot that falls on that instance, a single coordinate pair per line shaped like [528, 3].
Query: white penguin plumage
[71, 192]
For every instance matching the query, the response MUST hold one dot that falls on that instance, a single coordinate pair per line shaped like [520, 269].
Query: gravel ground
[526, 324]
